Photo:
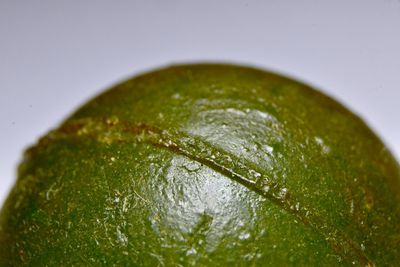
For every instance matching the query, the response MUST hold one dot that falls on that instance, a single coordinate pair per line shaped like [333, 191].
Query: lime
[206, 165]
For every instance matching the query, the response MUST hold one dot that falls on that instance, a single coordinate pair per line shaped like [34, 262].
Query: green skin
[206, 165]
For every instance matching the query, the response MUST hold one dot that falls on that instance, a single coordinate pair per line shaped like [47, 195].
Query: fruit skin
[206, 165]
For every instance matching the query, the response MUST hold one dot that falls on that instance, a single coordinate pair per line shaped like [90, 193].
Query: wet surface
[207, 164]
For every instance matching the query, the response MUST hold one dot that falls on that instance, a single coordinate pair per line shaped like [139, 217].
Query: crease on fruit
[111, 130]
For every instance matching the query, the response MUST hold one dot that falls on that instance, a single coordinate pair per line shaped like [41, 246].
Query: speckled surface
[205, 165]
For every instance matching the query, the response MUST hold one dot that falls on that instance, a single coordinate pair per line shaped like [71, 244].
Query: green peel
[206, 165]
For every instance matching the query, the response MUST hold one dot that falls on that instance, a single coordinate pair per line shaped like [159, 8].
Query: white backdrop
[55, 55]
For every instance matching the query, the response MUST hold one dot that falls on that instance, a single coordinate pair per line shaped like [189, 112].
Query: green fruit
[206, 165]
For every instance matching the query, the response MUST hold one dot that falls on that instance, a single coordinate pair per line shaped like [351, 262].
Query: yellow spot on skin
[112, 121]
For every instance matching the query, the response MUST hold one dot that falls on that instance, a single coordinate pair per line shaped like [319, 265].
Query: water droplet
[266, 188]
[244, 236]
[269, 149]
[325, 149]
[263, 114]
[192, 167]
[191, 251]
[318, 140]
[282, 193]
[295, 207]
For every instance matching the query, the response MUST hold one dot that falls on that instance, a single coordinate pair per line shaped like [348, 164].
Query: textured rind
[205, 165]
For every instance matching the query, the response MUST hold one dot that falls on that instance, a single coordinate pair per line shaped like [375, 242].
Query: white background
[55, 55]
